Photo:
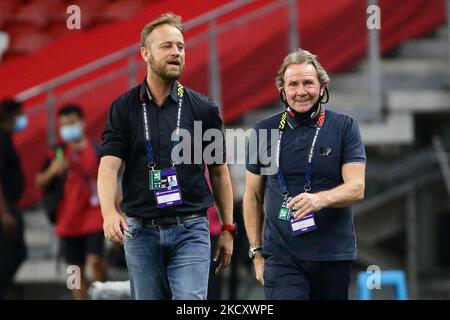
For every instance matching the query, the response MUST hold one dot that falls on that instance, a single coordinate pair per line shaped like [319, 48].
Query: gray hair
[298, 57]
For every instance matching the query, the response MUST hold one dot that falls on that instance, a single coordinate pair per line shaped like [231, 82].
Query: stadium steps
[43, 275]
[416, 80]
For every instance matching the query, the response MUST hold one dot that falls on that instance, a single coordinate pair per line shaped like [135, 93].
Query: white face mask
[71, 133]
[21, 123]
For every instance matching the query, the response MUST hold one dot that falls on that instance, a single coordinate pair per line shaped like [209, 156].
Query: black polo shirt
[11, 176]
[123, 137]
[339, 142]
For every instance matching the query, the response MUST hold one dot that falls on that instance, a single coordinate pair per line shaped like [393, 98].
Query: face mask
[21, 123]
[71, 133]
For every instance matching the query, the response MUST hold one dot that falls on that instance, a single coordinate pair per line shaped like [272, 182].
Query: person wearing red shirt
[79, 222]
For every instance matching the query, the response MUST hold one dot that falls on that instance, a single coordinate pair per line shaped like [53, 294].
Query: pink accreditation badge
[169, 194]
[303, 225]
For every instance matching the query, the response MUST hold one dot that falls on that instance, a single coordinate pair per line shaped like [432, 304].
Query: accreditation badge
[285, 213]
[303, 225]
[169, 193]
[154, 178]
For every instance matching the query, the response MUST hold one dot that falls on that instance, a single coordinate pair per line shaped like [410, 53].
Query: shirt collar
[293, 122]
[144, 92]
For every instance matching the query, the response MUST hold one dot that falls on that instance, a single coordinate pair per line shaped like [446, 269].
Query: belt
[167, 220]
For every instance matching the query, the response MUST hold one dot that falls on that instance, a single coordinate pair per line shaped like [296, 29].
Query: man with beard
[165, 229]
[308, 244]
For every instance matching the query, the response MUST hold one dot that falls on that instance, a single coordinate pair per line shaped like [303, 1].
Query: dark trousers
[215, 280]
[12, 253]
[306, 280]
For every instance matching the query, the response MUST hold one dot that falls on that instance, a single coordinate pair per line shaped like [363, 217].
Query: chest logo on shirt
[325, 151]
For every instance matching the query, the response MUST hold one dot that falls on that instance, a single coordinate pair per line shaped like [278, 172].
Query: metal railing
[211, 35]
[411, 191]
[375, 92]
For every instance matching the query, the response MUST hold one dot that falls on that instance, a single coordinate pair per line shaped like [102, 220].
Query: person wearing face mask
[308, 243]
[12, 245]
[79, 222]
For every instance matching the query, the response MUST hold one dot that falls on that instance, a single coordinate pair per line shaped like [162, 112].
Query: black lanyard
[308, 169]
[147, 134]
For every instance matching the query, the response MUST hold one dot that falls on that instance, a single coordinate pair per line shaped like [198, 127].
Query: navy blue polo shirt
[339, 142]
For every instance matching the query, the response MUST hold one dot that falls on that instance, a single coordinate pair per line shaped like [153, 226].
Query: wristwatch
[231, 228]
[253, 250]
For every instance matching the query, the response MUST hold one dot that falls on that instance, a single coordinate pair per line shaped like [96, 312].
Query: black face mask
[311, 113]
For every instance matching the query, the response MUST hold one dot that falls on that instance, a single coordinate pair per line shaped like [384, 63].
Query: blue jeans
[168, 262]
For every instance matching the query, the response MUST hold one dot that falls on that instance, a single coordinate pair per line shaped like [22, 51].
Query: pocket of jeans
[133, 227]
[196, 225]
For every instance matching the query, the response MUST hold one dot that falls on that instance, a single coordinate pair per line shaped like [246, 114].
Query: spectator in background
[12, 244]
[79, 223]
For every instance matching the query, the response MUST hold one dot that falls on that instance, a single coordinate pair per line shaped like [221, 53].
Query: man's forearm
[223, 192]
[253, 219]
[343, 195]
[44, 178]
[107, 188]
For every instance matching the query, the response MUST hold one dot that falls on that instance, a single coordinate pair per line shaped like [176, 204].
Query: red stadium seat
[17, 30]
[27, 42]
[89, 10]
[121, 10]
[7, 8]
[38, 12]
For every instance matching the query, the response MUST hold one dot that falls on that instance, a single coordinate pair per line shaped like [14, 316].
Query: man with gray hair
[308, 244]
[165, 232]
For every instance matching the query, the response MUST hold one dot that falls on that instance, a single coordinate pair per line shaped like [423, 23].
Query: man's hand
[58, 167]
[8, 224]
[258, 263]
[113, 224]
[224, 249]
[306, 203]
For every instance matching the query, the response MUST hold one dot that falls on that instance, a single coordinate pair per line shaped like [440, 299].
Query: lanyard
[147, 134]
[308, 168]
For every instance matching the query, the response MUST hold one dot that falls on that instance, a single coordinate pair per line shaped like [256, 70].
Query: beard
[160, 69]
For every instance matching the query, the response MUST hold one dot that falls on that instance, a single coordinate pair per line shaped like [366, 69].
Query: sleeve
[115, 134]
[252, 151]
[353, 147]
[214, 121]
